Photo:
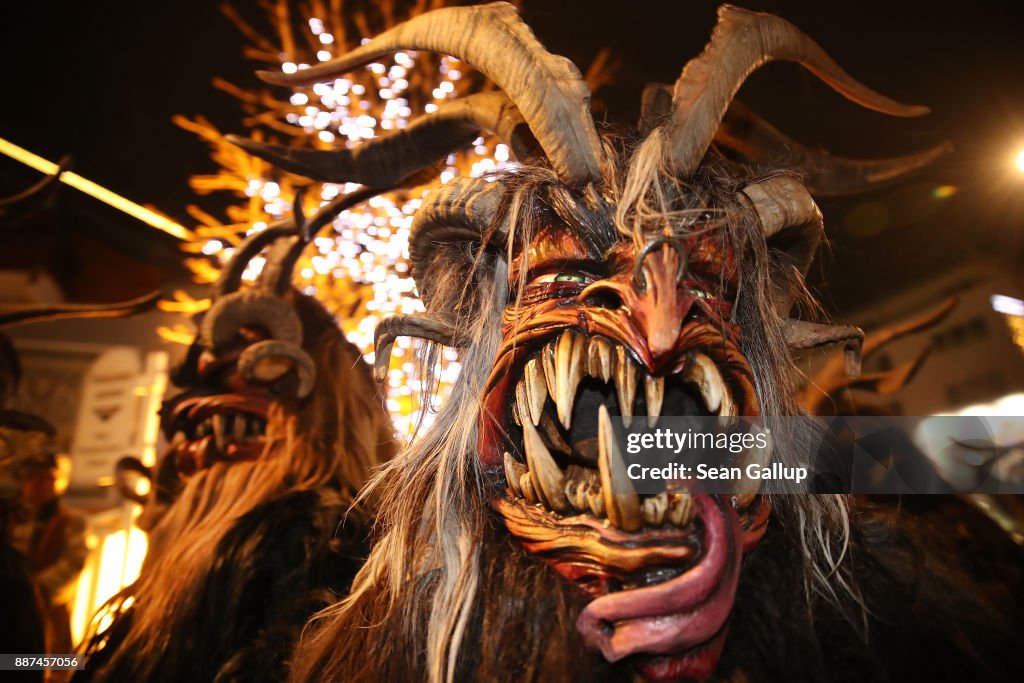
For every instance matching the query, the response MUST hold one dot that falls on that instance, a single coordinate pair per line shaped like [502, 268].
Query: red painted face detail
[218, 415]
[641, 327]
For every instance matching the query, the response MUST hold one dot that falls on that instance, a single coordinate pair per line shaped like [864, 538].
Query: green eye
[570, 277]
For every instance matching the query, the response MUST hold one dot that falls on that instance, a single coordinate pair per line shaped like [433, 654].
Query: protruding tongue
[671, 617]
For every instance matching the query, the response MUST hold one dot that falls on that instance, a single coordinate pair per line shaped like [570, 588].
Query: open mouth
[206, 429]
[661, 568]
[564, 454]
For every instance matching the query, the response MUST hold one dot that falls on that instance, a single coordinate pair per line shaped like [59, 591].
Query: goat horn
[230, 278]
[269, 360]
[428, 327]
[741, 43]
[388, 160]
[547, 89]
[251, 307]
[462, 210]
[802, 335]
[757, 141]
[34, 313]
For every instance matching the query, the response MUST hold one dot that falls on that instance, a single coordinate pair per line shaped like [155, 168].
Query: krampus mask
[278, 426]
[641, 275]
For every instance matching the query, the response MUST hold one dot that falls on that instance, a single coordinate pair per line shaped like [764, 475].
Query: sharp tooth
[547, 362]
[536, 388]
[513, 473]
[552, 432]
[519, 407]
[239, 427]
[705, 375]
[526, 486]
[219, 427]
[623, 506]
[654, 393]
[625, 384]
[569, 368]
[547, 477]
[599, 359]
[179, 437]
[655, 508]
[759, 457]
[680, 509]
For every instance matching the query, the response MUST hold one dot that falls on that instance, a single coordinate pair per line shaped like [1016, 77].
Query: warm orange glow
[99, 192]
[1020, 161]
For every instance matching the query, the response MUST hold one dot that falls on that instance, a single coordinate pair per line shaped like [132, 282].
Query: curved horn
[269, 360]
[38, 188]
[121, 309]
[428, 327]
[388, 160]
[276, 276]
[741, 43]
[548, 90]
[230, 278]
[757, 141]
[802, 335]
[252, 307]
[783, 205]
[463, 209]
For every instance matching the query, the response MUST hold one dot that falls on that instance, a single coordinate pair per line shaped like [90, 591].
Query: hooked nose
[662, 302]
[653, 249]
[652, 300]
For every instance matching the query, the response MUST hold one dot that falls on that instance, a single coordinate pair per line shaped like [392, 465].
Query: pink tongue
[678, 614]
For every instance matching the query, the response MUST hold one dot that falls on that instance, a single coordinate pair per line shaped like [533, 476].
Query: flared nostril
[602, 298]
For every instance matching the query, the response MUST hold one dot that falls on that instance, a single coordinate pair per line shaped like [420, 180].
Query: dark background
[100, 81]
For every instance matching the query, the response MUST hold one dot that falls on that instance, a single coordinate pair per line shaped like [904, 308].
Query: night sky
[100, 81]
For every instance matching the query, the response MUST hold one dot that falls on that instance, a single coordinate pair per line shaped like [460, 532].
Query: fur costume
[646, 272]
[250, 519]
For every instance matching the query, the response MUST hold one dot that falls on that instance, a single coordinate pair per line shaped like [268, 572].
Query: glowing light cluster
[360, 269]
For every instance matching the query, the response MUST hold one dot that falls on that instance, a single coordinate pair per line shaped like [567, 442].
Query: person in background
[48, 535]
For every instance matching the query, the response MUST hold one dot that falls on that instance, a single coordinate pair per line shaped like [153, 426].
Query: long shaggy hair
[249, 549]
[446, 595]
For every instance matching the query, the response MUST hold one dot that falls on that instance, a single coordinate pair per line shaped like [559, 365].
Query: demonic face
[601, 323]
[219, 415]
[248, 356]
[604, 326]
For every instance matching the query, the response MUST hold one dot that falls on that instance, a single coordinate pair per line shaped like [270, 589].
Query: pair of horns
[265, 305]
[542, 90]
[544, 104]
